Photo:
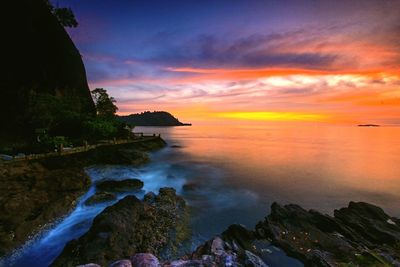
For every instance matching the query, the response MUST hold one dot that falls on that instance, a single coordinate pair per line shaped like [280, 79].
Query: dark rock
[49, 64]
[89, 265]
[127, 185]
[32, 196]
[129, 227]
[361, 234]
[145, 260]
[156, 118]
[100, 197]
[149, 198]
[239, 237]
[253, 260]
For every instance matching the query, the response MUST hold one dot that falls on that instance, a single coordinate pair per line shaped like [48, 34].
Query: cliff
[156, 118]
[38, 57]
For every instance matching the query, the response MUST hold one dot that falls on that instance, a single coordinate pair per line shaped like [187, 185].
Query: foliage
[105, 107]
[56, 115]
[66, 17]
[99, 129]
[63, 14]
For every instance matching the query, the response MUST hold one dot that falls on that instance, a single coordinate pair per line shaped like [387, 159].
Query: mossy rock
[100, 197]
[126, 185]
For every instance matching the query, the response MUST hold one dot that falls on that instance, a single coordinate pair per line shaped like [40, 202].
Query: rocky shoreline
[155, 231]
[359, 235]
[35, 193]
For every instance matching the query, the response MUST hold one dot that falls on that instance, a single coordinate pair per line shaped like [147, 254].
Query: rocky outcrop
[156, 225]
[120, 186]
[35, 193]
[38, 57]
[32, 196]
[359, 235]
[130, 153]
[100, 197]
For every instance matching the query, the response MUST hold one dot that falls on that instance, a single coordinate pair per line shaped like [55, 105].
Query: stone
[100, 197]
[359, 233]
[145, 260]
[127, 185]
[217, 246]
[129, 227]
[121, 263]
[253, 260]
[149, 197]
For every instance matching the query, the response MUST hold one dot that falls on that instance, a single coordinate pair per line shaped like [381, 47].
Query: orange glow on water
[273, 116]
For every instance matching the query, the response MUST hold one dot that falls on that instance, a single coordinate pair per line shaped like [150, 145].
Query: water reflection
[318, 166]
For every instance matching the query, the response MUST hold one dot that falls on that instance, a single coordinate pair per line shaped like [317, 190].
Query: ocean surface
[233, 173]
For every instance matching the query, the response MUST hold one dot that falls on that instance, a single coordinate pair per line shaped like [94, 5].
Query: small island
[155, 118]
[368, 125]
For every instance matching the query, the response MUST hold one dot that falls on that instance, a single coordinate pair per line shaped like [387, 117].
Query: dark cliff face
[38, 56]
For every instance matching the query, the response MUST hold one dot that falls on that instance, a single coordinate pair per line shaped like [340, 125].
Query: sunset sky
[326, 61]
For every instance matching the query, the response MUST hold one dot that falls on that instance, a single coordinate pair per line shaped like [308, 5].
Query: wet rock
[145, 260]
[253, 260]
[32, 196]
[89, 265]
[217, 246]
[360, 234]
[35, 193]
[121, 263]
[149, 198]
[100, 197]
[129, 227]
[208, 260]
[127, 185]
[239, 237]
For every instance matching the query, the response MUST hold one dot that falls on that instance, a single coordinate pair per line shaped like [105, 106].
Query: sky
[274, 60]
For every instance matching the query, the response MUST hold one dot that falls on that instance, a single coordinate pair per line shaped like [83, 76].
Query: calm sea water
[233, 173]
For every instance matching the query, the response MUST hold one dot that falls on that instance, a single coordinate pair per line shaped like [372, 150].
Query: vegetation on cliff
[155, 118]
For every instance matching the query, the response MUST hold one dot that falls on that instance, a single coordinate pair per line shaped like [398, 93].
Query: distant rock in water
[38, 57]
[156, 118]
[368, 125]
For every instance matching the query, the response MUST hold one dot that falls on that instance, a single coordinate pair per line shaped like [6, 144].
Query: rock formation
[157, 225]
[38, 56]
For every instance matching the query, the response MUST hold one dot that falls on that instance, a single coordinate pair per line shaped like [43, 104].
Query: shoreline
[38, 192]
[305, 236]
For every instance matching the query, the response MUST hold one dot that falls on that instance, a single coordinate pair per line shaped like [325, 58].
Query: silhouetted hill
[37, 56]
[156, 118]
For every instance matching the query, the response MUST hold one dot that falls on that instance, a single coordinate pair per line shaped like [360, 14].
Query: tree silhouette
[105, 106]
[63, 14]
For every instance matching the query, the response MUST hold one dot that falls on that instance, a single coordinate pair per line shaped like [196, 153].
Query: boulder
[129, 227]
[127, 185]
[253, 260]
[361, 234]
[100, 197]
[32, 197]
[121, 263]
[145, 260]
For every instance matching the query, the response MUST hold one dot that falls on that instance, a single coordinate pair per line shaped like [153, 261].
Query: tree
[66, 17]
[63, 14]
[105, 107]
